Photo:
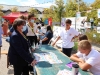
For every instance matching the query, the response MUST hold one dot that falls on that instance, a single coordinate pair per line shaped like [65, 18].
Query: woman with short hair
[19, 55]
[31, 29]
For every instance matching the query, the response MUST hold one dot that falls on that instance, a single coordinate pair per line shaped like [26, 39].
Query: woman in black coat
[19, 55]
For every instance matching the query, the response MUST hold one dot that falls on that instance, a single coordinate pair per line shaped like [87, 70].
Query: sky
[34, 3]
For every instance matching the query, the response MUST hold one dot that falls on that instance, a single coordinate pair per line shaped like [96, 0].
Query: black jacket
[19, 50]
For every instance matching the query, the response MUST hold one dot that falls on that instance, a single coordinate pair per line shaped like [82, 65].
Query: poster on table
[47, 56]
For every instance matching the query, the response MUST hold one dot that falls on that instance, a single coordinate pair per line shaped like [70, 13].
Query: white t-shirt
[93, 58]
[30, 33]
[39, 25]
[67, 36]
[43, 29]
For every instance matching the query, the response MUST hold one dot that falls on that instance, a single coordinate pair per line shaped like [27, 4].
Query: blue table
[45, 68]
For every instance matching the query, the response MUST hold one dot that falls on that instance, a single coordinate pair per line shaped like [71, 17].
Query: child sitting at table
[82, 37]
[87, 58]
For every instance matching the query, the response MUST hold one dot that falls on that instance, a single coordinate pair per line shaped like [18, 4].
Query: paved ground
[3, 61]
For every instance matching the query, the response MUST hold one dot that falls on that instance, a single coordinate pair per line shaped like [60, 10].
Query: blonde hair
[85, 45]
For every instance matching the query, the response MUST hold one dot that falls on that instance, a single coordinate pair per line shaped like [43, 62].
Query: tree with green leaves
[59, 9]
[48, 13]
[72, 8]
[93, 14]
[33, 11]
[1, 7]
[55, 12]
[69, 9]
[14, 9]
[1, 13]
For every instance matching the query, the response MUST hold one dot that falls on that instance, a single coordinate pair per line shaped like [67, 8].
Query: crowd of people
[24, 33]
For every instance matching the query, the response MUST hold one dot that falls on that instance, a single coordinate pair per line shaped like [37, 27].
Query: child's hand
[81, 61]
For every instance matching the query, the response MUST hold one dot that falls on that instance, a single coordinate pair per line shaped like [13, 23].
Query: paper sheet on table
[65, 72]
[49, 57]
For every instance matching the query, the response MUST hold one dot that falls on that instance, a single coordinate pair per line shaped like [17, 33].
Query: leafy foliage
[65, 10]
[1, 13]
[93, 13]
[33, 11]
[96, 39]
[71, 8]
[55, 12]
[14, 9]
[1, 7]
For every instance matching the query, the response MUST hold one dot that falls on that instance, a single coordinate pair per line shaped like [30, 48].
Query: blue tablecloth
[45, 68]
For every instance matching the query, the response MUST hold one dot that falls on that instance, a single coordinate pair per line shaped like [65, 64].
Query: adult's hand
[33, 62]
[32, 50]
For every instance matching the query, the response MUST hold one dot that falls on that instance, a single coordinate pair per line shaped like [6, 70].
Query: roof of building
[20, 8]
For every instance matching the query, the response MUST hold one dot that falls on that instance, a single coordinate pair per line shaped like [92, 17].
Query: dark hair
[68, 21]
[49, 28]
[39, 27]
[23, 17]
[42, 24]
[83, 37]
[18, 22]
[30, 15]
[37, 23]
